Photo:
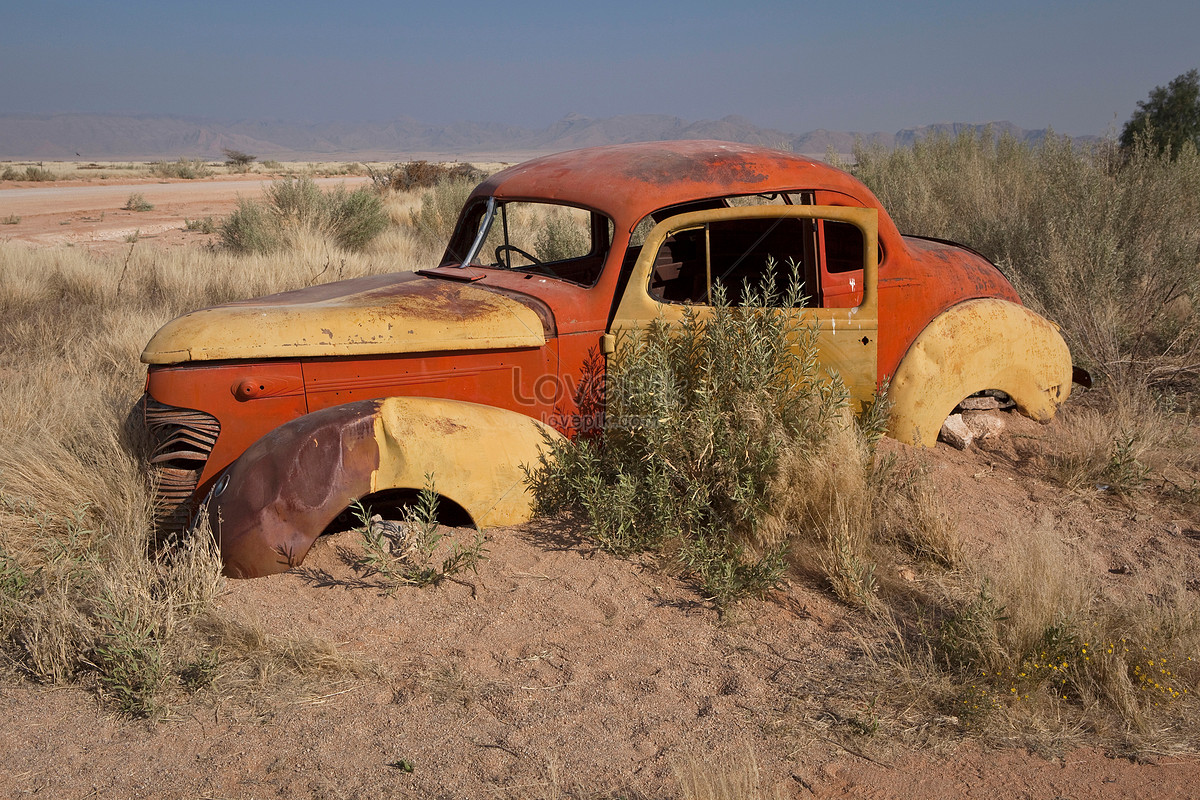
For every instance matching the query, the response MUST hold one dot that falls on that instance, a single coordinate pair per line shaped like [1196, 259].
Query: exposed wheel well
[392, 504]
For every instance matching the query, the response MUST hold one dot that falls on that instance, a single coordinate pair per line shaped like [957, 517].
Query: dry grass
[85, 596]
[1106, 245]
[1024, 649]
[737, 778]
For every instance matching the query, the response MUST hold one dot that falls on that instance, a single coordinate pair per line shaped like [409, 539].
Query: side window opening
[843, 247]
[733, 253]
[841, 274]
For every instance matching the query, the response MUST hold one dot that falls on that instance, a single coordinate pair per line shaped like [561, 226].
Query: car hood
[397, 313]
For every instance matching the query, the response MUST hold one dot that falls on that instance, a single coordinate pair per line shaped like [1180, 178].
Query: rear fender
[977, 345]
[276, 499]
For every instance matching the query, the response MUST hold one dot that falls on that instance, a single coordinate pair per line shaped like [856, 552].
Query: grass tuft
[294, 207]
[205, 225]
[137, 202]
[405, 552]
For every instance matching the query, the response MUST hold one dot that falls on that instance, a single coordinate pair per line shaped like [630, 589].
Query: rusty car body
[282, 411]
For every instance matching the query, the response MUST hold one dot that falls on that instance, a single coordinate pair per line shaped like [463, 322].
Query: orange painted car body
[251, 396]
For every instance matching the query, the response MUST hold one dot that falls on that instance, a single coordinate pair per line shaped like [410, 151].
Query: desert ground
[559, 670]
[93, 215]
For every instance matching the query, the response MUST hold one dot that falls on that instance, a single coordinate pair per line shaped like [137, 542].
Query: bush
[205, 225]
[403, 553]
[410, 175]
[291, 206]
[186, 168]
[137, 202]
[30, 173]
[237, 160]
[701, 419]
[434, 220]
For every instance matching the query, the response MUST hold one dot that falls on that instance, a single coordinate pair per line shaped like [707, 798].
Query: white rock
[985, 425]
[956, 433]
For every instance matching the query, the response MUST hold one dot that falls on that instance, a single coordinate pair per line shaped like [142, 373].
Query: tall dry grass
[1106, 244]
[84, 595]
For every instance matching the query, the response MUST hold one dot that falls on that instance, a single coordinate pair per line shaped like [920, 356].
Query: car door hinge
[608, 344]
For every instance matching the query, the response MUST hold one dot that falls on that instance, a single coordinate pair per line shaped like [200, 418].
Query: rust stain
[666, 167]
[280, 491]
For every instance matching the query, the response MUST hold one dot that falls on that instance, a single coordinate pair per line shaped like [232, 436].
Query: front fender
[977, 345]
[275, 500]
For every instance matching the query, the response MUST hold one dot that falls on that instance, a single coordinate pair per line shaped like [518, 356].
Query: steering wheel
[502, 248]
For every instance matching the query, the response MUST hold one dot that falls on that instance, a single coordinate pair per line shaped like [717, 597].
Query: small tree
[1170, 117]
[237, 160]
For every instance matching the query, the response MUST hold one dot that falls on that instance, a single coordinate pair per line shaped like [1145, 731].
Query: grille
[182, 440]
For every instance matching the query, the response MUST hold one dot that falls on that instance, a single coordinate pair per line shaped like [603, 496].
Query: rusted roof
[627, 181]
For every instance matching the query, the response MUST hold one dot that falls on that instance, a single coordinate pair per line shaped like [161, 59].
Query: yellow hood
[397, 313]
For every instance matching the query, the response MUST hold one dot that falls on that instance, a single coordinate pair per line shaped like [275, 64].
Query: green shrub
[700, 419]
[562, 236]
[251, 229]
[355, 218]
[294, 205]
[404, 552]
[38, 174]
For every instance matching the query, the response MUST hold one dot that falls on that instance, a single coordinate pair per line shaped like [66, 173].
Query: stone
[956, 433]
[985, 425]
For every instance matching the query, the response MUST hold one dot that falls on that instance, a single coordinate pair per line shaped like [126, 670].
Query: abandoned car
[282, 411]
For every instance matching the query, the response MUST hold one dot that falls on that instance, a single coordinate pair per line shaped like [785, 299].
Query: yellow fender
[272, 503]
[474, 453]
[973, 346]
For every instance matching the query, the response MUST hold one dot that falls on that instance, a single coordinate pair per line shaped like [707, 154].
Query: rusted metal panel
[274, 501]
[847, 338]
[628, 181]
[230, 393]
[286, 488]
[182, 441]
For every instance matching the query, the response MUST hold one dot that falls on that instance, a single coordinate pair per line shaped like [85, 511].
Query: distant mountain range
[108, 137]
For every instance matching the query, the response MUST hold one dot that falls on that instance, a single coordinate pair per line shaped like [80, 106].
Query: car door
[684, 256]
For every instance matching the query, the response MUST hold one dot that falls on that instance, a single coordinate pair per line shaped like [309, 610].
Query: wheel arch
[976, 345]
[275, 500]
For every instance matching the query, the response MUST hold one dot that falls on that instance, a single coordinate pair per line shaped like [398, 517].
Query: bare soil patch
[91, 215]
[561, 669]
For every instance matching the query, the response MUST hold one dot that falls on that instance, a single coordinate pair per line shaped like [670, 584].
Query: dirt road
[93, 214]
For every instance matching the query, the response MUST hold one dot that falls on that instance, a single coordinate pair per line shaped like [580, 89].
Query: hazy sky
[1079, 67]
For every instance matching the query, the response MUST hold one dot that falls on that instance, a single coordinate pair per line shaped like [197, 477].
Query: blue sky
[1077, 67]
